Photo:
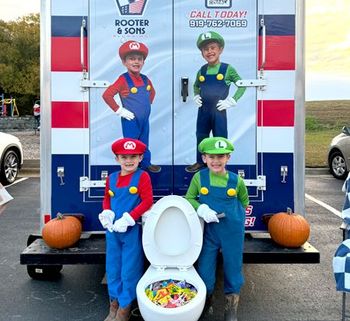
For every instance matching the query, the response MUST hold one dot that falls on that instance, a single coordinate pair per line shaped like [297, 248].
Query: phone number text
[217, 23]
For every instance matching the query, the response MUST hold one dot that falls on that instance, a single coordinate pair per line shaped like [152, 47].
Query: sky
[327, 49]
[327, 44]
[12, 9]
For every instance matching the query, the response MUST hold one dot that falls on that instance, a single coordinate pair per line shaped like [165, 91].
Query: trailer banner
[170, 32]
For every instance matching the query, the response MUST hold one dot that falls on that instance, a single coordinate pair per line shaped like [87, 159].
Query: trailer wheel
[44, 272]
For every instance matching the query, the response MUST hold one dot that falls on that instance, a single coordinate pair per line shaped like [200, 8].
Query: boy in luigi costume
[215, 190]
[136, 93]
[211, 91]
[128, 195]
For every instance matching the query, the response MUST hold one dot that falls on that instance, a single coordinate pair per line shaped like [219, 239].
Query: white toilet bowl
[172, 240]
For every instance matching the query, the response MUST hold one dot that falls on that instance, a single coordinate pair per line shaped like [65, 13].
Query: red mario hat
[132, 46]
[128, 146]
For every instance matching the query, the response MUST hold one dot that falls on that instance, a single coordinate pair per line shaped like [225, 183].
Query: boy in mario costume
[211, 90]
[128, 195]
[215, 190]
[136, 93]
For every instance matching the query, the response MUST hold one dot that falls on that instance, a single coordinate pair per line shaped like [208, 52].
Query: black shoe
[194, 168]
[154, 168]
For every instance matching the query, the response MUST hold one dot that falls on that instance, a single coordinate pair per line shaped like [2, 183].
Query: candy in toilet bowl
[171, 293]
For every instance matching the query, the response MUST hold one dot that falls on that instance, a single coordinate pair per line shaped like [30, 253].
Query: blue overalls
[124, 254]
[227, 235]
[212, 89]
[138, 102]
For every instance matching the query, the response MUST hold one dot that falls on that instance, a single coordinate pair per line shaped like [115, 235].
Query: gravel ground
[30, 142]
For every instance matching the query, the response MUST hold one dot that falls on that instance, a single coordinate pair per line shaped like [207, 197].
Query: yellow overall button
[110, 192]
[133, 190]
[148, 88]
[133, 90]
[231, 192]
[204, 191]
[219, 76]
[201, 78]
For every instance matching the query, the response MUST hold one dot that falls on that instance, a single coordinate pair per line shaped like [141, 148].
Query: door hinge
[259, 182]
[87, 83]
[260, 83]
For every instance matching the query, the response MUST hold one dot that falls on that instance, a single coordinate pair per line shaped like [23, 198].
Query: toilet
[172, 240]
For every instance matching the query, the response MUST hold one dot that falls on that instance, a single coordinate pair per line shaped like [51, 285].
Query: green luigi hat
[209, 36]
[215, 145]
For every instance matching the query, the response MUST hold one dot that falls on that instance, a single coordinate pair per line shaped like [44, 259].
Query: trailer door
[170, 30]
[111, 23]
[237, 23]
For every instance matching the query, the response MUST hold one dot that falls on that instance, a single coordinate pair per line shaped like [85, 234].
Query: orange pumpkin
[289, 229]
[62, 232]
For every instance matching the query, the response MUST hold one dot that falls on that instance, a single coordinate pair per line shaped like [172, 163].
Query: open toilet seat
[172, 235]
[172, 240]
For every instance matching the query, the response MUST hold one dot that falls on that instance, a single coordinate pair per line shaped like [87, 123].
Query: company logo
[129, 145]
[131, 7]
[218, 3]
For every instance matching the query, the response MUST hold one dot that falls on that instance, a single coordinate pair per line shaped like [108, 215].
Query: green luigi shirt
[218, 181]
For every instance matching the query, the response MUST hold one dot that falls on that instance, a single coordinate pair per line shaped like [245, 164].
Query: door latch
[284, 173]
[60, 174]
[184, 88]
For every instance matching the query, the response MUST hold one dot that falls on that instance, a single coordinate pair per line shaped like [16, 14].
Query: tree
[20, 57]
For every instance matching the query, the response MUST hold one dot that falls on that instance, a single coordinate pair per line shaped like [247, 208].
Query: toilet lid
[172, 235]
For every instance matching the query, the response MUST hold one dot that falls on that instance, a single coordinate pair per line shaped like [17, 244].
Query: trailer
[264, 41]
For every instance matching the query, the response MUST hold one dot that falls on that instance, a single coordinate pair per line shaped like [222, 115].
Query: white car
[339, 154]
[11, 158]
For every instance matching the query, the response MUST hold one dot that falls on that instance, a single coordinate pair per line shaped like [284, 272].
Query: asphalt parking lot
[274, 292]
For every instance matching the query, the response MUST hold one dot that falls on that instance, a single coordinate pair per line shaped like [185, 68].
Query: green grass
[316, 147]
[324, 120]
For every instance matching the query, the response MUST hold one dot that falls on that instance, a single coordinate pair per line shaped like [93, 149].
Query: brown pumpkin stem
[60, 216]
[289, 211]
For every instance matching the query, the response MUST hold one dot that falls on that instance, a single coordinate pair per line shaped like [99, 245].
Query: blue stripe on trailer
[162, 182]
[279, 25]
[276, 25]
[66, 26]
[278, 195]
[68, 199]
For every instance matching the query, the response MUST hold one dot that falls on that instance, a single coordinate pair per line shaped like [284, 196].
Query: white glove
[198, 100]
[124, 113]
[122, 224]
[106, 218]
[226, 103]
[207, 214]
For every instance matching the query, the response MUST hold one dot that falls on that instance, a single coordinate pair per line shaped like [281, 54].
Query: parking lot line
[326, 206]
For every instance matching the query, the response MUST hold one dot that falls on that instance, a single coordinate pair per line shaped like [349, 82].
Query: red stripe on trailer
[279, 54]
[277, 113]
[70, 115]
[65, 53]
